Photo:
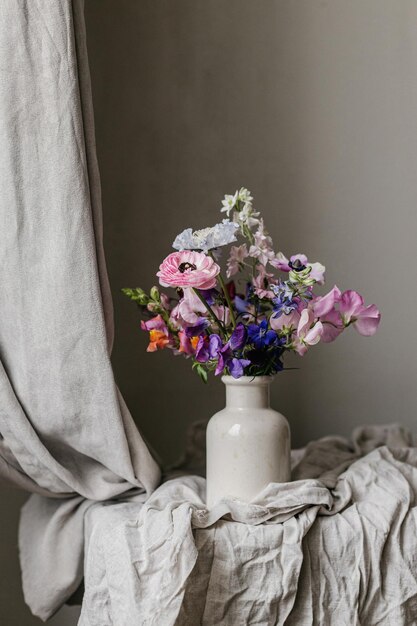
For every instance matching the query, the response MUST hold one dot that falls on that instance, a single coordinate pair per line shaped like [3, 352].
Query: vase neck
[252, 393]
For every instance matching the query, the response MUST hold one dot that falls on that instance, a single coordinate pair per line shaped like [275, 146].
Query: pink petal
[291, 320]
[317, 272]
[280, 262]
[368, 321]
[332, 326]
[324, 304]
[306, 319]
[299, 257]
[314, 334]
[350, 305]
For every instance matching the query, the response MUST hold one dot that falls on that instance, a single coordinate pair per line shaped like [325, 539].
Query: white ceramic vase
[248, 443]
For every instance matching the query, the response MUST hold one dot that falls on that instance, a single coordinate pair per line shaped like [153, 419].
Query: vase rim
[247, 380]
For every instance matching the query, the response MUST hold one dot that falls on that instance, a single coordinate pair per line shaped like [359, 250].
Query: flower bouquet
[244, 324]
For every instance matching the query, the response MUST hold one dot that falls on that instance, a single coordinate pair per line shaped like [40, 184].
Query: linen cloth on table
[337, 546]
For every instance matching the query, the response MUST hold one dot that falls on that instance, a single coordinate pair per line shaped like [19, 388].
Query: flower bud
[155, 295]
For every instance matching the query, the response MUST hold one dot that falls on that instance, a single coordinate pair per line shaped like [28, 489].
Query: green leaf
[201, 371]
[137, 295]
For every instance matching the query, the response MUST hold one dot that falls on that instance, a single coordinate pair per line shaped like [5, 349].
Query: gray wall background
[312, 105]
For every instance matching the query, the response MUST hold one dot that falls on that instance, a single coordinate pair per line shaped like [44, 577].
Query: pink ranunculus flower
[308, 332]
[353, 311]
[188, 268]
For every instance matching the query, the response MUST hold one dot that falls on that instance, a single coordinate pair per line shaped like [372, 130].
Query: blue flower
[260, 336]
[284, 302]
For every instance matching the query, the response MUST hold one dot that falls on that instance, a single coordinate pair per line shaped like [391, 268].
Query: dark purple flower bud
[198, 329]
[209, 295]
[238, 338]
[297, 265]
[220, 365]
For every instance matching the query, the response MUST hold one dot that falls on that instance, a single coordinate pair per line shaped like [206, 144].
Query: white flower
[237, 255]
[246, 217]
[229, 203]
[241, 206]
[207, 238]
[239, 200]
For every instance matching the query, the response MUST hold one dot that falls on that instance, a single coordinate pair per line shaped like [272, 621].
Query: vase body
[248, 443]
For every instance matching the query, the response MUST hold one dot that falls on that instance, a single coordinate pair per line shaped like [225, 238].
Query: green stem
[210, 311]
[226, 295]
[228, 300]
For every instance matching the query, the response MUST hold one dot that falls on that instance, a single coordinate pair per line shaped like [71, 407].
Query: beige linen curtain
[66, 434]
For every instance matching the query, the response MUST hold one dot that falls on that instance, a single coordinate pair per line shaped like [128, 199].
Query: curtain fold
[66, 433]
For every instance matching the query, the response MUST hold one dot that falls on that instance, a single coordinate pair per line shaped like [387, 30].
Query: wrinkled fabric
[337, 546]
[65, 432]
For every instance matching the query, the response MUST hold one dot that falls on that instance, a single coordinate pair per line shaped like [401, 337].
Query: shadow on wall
[311, 105]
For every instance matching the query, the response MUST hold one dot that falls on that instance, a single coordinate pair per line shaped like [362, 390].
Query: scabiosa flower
[188, 269]
[207, 238]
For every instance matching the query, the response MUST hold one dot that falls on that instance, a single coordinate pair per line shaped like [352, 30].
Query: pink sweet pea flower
[353, 311]
[188, 268]
[332, 326]
[189, 309]
[307, 333]
[282, 263]
[285, 321]
[322, 305]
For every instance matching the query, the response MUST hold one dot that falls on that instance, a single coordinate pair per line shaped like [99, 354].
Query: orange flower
[157, 340]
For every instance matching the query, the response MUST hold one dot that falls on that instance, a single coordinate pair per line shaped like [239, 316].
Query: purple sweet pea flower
[238, 338]
[198, 329]
[237, 366]
[211, 348]
[209, 295]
